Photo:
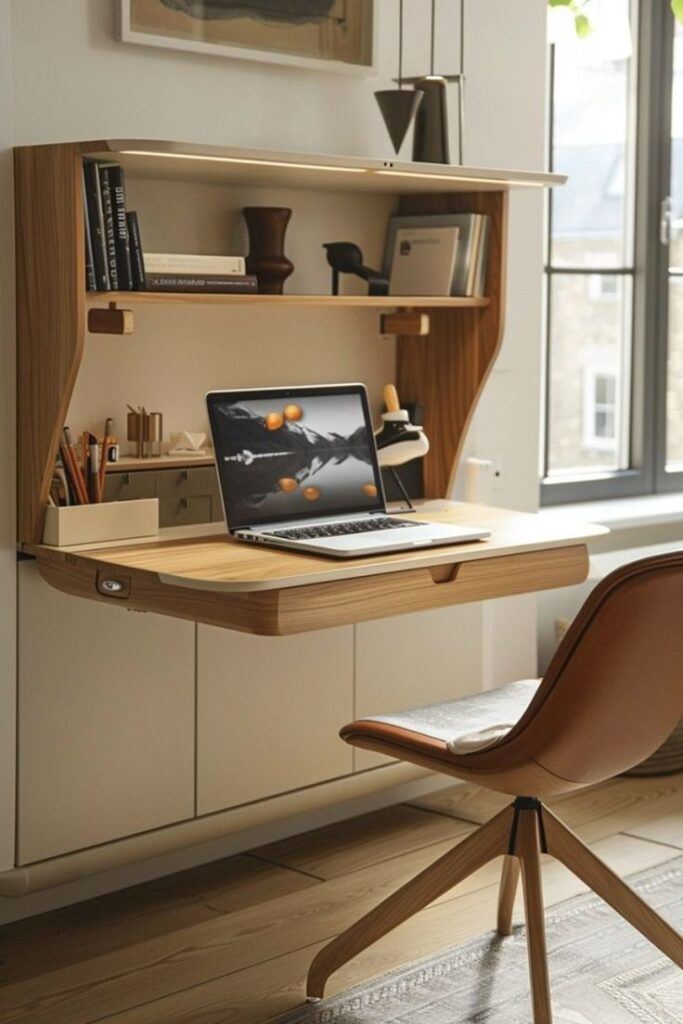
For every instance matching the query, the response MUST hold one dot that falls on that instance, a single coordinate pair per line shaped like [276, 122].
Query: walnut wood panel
[321, 605]
[448, 369]
[50, 313]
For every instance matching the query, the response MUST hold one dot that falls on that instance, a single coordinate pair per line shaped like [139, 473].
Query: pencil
[76, 473]
[106, 441]
[94, 468]
[73, 472]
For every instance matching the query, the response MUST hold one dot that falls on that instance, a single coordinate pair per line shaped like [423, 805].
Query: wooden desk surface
[200, 573]
[207, 558]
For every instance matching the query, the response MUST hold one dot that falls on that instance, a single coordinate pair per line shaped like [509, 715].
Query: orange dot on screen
[370, 490]
[293, 412]
[274, 421]
[311, 493]
[287, 484]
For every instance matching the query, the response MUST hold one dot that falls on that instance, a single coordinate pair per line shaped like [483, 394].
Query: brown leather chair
[612, 694]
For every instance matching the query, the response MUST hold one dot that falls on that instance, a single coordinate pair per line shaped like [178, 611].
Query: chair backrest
[613, 692]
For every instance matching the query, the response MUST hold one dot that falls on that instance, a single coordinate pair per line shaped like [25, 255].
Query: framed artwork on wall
[326, 35]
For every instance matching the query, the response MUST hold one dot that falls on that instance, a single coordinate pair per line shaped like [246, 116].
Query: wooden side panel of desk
[448, 369]
[50, 313]
[323, 605]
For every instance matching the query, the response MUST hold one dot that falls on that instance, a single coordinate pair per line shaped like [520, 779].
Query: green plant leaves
[582, 25]
[581, 22]
[677, 8]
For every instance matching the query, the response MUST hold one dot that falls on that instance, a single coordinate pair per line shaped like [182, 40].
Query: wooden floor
[230, 943]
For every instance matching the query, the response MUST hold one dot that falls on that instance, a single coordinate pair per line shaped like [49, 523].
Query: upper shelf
[226, 165]
[362, 301]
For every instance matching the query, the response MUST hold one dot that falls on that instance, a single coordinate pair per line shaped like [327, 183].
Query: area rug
[601, 970]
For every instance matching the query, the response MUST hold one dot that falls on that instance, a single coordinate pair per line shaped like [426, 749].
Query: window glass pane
[674, 390]
[674, 386]
[591, 141]
[676, 248]
[589, 371]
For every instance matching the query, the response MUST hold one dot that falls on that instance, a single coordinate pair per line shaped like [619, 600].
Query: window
[603, 286]
[599, 410]
[614, 274]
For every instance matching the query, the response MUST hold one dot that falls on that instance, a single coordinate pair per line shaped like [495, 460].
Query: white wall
[72, 80]
[505, 64]
[97, 87]
[7, 475]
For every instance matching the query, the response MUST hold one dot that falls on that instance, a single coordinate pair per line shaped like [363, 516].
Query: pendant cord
[462, 36]
[431, 57]
[461, 87]
[400, 44]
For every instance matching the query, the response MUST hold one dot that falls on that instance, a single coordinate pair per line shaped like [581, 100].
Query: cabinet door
[410, 660]
[106, 721]
[269, 710]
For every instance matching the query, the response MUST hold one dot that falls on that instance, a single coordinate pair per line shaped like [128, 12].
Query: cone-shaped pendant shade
[398, 108]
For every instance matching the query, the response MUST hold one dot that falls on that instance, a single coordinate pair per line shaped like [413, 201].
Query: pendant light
[430, 143]
[398, 106]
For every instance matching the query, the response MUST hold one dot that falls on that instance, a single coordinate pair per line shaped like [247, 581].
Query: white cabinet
[268, 713]
[106, 721]
[409, 660]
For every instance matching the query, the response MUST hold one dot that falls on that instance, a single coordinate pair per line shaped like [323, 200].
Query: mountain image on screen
[275, 465]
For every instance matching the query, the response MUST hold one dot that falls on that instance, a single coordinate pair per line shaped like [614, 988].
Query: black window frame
[647, 472]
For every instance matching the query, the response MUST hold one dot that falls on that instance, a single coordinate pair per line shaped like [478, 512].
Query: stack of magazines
[175, 272]
[437, 254]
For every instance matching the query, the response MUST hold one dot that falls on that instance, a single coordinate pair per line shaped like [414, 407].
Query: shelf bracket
[415, 325]
[111, 320]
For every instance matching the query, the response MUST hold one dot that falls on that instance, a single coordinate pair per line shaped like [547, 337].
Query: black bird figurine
[347, 258]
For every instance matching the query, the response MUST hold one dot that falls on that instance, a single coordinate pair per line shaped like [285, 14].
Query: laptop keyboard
[342, 529]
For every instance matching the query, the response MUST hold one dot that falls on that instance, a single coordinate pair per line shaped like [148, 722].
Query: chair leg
[508, 890]
[574, 854]
[528, 849]
[490, 841]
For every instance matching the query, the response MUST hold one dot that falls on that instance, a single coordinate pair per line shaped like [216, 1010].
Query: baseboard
[91, 873]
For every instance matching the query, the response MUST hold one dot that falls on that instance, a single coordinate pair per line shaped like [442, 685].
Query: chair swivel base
[520, 834]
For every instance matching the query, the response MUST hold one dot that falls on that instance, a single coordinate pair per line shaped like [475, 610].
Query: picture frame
[337, 36]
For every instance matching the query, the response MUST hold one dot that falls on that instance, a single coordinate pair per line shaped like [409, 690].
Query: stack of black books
[113, 252]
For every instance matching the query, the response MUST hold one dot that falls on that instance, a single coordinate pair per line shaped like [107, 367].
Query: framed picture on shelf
[324, 35]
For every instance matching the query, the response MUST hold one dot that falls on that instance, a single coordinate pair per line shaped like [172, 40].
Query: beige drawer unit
[127, 486]
[184, 511]
[186, 496]
[186, 483]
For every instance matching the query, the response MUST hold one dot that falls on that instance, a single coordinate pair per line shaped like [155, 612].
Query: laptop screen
[294, 453]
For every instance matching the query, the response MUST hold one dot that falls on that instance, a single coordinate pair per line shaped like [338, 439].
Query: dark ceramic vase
[267, 226]
[430, 139]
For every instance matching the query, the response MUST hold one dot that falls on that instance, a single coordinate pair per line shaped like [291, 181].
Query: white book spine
[178, 263]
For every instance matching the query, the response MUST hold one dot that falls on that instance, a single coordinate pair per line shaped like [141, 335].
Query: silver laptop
[298, 469]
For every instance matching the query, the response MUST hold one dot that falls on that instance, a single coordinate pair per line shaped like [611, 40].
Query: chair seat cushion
[471, 723]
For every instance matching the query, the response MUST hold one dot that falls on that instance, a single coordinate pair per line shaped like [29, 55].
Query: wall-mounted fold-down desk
[200, 573]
